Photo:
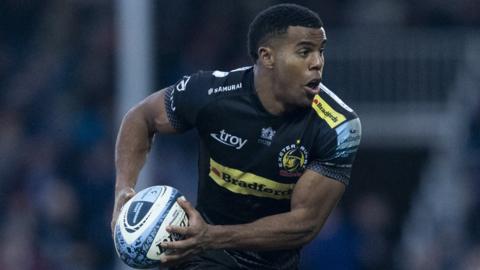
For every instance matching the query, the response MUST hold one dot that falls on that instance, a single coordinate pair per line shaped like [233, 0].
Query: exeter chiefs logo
[292, 160]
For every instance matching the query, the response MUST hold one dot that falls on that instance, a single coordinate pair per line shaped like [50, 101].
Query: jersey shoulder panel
[186, 98]
[226, 82]
[337, 146]
[331, 109]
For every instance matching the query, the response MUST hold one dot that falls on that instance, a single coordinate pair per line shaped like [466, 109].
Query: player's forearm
[133, 143]
[283, 231]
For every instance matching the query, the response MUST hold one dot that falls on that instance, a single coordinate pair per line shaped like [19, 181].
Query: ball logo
[292, 160]
[138, 216]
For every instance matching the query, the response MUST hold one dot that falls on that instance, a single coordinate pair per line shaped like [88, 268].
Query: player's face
[299, 64]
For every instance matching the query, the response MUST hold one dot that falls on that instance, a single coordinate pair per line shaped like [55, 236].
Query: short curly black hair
[275, 21]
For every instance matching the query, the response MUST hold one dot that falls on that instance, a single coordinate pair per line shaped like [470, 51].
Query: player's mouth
[313, 87]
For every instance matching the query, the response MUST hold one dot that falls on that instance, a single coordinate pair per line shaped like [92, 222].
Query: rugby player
[276, 148]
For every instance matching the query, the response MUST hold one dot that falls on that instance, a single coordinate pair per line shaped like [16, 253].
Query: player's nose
[316, 62]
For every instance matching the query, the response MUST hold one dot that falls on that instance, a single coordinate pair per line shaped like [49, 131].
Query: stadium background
[410, 68]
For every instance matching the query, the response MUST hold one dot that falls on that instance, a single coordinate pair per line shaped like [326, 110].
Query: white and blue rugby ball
[141, 225]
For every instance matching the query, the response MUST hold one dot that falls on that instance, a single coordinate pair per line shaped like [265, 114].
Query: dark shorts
[209, 260]
[239, 260]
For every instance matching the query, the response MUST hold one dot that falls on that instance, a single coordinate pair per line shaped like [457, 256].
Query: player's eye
[303, 52]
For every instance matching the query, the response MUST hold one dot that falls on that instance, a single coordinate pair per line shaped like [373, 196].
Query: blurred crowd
[472, 168]
[211, 34]
[56, 169]
[57, 89]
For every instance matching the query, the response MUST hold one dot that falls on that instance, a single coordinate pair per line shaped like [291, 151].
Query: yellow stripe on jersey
[248, 183]
[327, 113]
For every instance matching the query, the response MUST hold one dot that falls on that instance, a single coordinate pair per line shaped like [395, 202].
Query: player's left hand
[196, 237]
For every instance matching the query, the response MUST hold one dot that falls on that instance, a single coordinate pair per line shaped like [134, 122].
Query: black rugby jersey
[249, 159]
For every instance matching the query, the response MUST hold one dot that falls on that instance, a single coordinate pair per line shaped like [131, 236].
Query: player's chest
[242, 138]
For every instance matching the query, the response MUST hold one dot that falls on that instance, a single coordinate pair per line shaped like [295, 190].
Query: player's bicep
[315, 196]
[155, 111]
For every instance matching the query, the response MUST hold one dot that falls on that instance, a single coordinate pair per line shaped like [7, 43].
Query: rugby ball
[141, 226]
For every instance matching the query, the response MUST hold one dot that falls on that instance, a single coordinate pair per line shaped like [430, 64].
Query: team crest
[268, 133]
[292, 160]
[266, 136]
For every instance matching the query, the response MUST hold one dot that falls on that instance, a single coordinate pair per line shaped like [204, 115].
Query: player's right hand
[121, 197]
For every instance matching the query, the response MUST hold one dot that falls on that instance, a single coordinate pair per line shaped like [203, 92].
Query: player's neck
[264, 86]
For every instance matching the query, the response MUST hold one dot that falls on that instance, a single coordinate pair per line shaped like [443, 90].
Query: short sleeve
[185, 99]
[339, 152]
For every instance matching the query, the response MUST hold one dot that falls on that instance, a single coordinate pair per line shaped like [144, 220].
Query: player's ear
[265, 56]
